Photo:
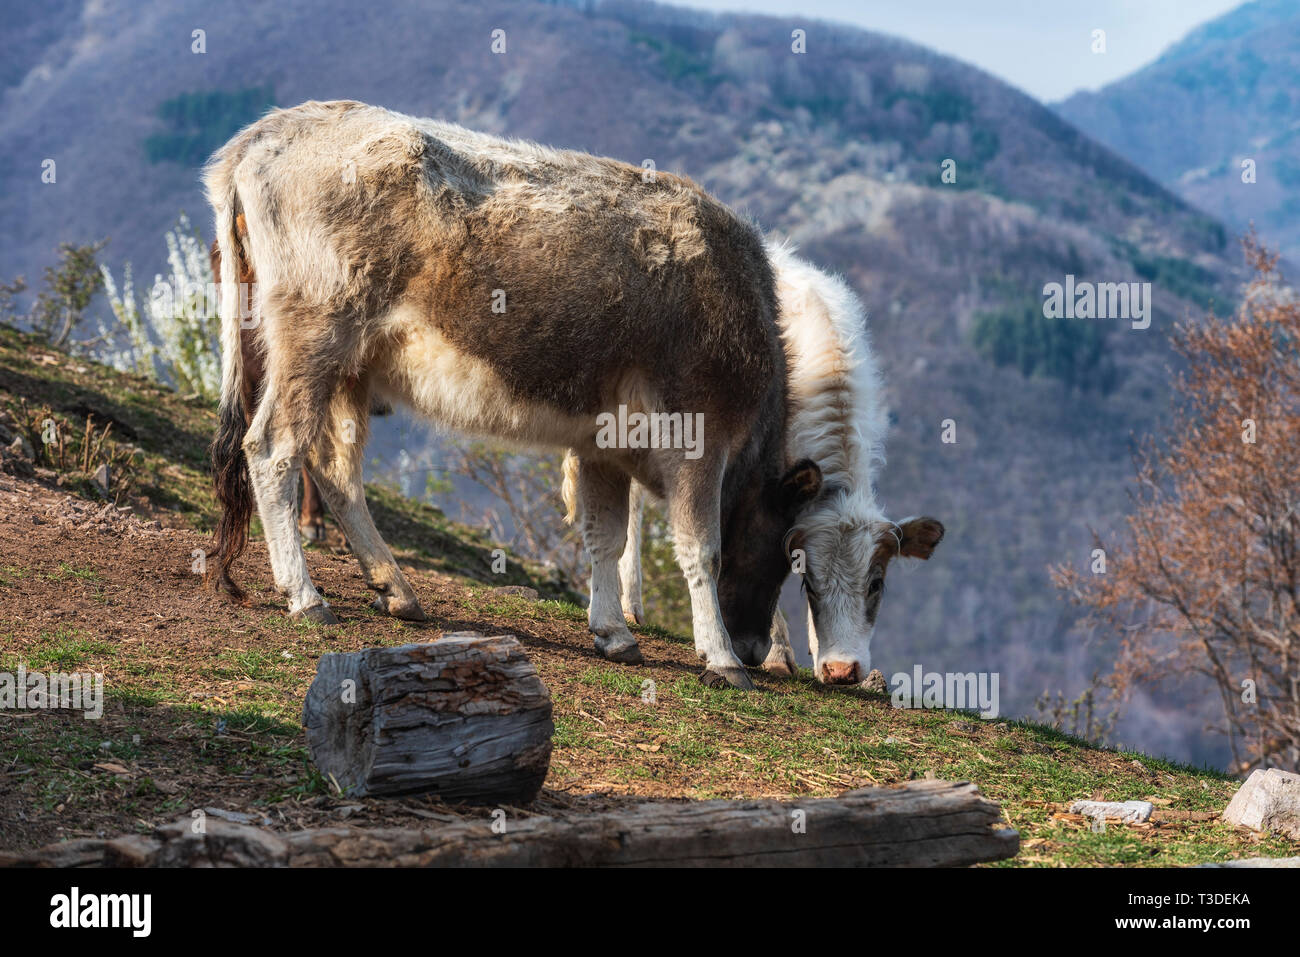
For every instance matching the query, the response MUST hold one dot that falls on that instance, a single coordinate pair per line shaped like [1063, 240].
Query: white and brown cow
[841, 540]
[508, 290]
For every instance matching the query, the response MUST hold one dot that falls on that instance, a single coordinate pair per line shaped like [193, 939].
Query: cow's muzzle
[840, 672]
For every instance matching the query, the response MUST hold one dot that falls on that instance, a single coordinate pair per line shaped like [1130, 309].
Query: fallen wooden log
[922, 824]
[466, 717]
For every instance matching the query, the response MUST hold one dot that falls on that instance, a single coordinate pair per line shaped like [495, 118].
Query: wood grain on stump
[466, 717]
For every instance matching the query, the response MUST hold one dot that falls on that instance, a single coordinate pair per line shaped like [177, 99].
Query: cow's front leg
[603, 502]
[694, 514]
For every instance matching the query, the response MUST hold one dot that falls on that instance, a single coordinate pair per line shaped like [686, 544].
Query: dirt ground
[86, 587]
[204, 695]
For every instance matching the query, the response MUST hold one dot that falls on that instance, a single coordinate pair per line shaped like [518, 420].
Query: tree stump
[466, 717]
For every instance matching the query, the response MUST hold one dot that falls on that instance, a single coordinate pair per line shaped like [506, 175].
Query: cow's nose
[840, 672]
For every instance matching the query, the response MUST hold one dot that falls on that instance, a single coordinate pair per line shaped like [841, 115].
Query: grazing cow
[508, 290]
[838, 420]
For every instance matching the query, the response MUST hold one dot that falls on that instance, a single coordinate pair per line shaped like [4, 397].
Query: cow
[513, 291]
[841, 540]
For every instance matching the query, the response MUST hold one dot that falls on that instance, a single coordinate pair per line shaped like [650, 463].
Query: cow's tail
[229, 468]
[569, 486]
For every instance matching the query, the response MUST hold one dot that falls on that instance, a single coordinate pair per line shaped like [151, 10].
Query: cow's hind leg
[603, 498]
[311, 520]
[335, 462]
[629, 565]
[287, 419]
[694, 515]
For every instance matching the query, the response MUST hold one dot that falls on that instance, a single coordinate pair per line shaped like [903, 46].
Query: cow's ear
[918, 537]
[800, 484]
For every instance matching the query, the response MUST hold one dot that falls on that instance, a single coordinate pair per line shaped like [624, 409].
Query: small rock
[22, 448]
[518, 591]
[102, 478]
[235, 817]
[1258, 862]
[875, 682]
[1130, 812]
[1268, 801]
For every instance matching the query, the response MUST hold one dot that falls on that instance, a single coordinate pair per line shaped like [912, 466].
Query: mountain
[841, 148]
[1227, 93]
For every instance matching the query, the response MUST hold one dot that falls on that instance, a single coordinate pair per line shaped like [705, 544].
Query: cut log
[466, 717]
[923, 824]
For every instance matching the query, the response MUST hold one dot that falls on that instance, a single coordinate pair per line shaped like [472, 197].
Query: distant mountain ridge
[1227, 94]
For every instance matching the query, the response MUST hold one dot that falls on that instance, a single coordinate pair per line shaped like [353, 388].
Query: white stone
[1268, 801]
[1130, 812]
[1258, 862]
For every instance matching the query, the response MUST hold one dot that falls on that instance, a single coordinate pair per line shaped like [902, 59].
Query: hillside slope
[203, 695]
[1228, 92]
[839, 148]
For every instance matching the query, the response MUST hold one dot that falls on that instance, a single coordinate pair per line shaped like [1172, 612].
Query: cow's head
[753, 565]
[844, 560]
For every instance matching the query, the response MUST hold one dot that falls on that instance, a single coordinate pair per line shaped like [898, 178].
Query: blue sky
[1041, 46]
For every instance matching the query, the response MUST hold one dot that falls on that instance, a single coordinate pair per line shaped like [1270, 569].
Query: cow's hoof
[620, 647]
[634, 615]
[780, 661]
[779, 669]
[726, 676]
[314, 532]
[316, 615]
[407, 609]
